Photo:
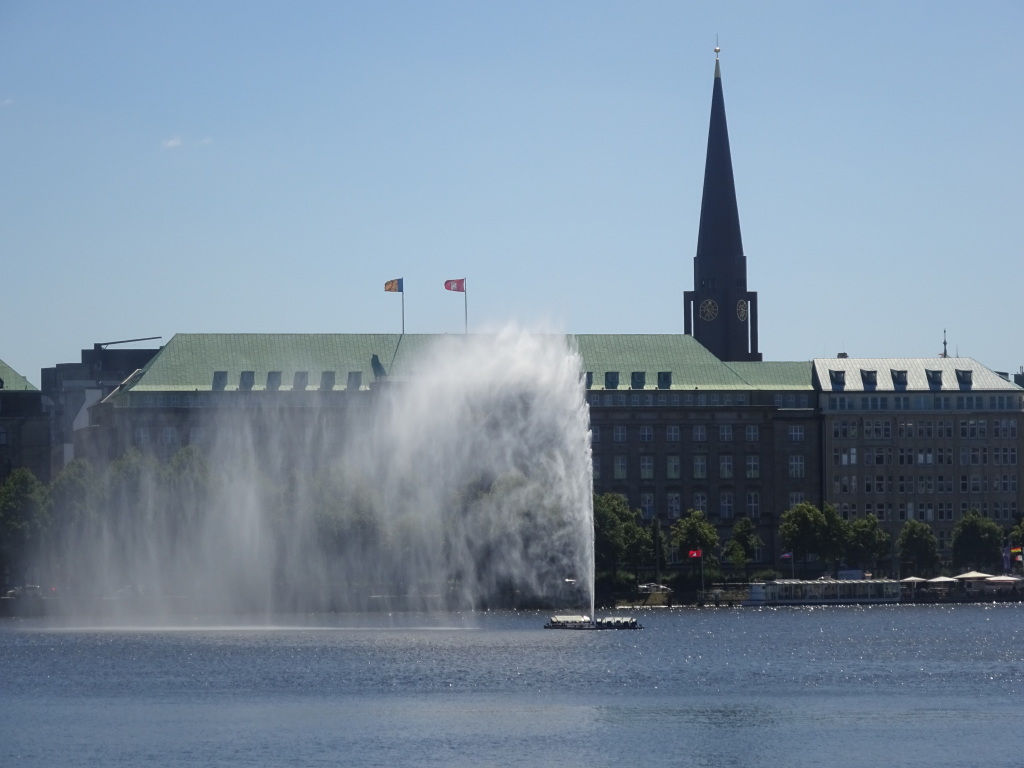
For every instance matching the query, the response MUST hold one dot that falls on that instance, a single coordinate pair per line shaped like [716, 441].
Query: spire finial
[717, 49]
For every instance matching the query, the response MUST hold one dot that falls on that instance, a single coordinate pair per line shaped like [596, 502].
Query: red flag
[455, 285]
[696, 553]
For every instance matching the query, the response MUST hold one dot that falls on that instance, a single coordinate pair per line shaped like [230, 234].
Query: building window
[619, 434]
[647, 505]
[796, 434]
[674, 506]
[796, 466]
[753, 504]
[725, 433]
[1004, 428]
[972, 428]
[878, 429]
[169, 436]
[700, 433]
[753, 467]
[795, 497]
[700, 467]
[619, 468]
[672, 434]
[672, 467]
[646, 467]
[595, 434]
[700, 501]
[647, 434]
[725, 505]
[141, 436]
[752, 433]
[842, 457]
[196, 435]
[725, 467]
[595, 462]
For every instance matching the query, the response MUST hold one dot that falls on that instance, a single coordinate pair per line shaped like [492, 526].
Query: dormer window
[665, 380]
[637, 379]
[273, 381]
[220, 381]
[899, 380]
[301, 381]
[246, 380]
[611, 380]
[590, 379]
[964, 378]
[934, 379]
[837, 379]
[869, 379]
[326, 381]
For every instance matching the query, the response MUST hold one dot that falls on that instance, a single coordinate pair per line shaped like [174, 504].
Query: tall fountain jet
[466, 485]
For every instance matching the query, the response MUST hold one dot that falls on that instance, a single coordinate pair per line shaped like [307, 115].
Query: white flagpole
[465, 302]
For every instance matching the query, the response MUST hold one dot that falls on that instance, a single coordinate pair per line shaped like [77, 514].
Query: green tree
[918, 547]
[1016, 540]
[833, 537]
[658, 549]
[695, 532]
[736, 556]
[23, 520]
[74, 525]
[619, 535]
[867, 542]
[977, 541]
[800, 529]
[745, 537]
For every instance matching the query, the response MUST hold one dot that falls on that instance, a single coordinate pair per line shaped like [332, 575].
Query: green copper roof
[14, 380]
[191, 362]
[690, 364]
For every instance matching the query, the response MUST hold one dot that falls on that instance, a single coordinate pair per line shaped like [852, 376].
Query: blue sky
[265, 167]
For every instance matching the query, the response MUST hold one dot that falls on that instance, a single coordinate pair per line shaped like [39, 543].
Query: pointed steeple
[726, 312]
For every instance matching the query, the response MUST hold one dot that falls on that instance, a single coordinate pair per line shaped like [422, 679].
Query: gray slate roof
[916, 368]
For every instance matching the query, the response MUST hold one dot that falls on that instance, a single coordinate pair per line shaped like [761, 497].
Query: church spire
[720, 312]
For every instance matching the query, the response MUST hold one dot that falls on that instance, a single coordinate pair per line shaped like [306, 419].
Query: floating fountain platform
[587, 623]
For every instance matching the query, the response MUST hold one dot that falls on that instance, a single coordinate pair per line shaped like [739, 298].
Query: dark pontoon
[585, 622]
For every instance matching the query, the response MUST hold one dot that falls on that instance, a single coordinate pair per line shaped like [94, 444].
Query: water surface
[887, 685]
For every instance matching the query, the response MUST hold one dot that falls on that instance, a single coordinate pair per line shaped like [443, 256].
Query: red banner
[455, 285]
[696, 553]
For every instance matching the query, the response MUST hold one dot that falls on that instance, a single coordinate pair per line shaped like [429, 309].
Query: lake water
[886, 685]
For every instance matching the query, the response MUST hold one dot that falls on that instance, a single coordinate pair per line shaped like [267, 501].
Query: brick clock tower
[720, 312]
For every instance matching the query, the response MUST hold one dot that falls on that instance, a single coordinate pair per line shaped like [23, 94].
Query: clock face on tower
[741, 310]
[708, 309]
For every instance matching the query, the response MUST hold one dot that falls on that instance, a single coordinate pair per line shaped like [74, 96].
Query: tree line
[625, 541]
[115, 515]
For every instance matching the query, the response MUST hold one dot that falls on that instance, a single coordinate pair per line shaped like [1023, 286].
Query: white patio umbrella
[913, 581]
[973, 576]
[1002, 580]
